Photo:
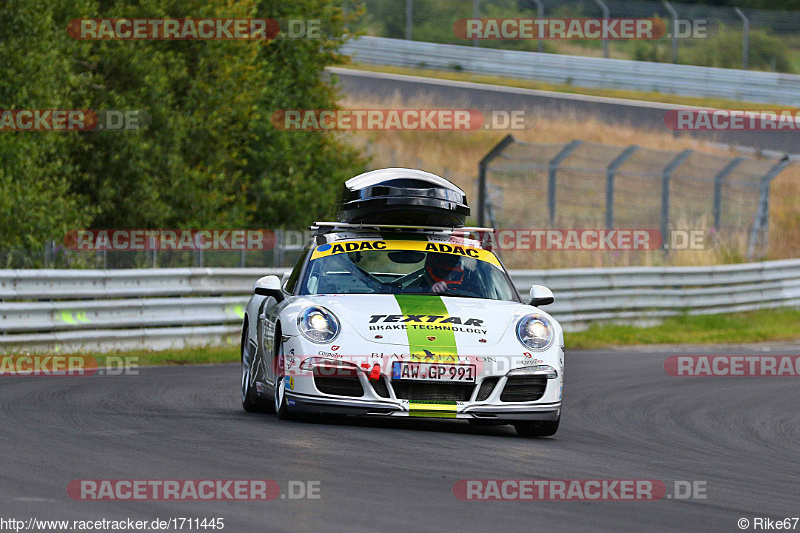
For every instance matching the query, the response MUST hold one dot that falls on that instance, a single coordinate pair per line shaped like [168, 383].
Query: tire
[250, 400]
[279, 394]
[539, 428]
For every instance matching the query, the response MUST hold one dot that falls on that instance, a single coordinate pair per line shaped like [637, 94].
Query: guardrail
[99, 310]
[750, 86]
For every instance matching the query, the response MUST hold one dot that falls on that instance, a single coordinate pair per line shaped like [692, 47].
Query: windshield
[406, 267]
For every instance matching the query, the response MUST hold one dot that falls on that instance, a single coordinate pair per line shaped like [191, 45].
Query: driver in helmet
[442, 271]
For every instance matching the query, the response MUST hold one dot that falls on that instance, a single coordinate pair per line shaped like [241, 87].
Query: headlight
[535, 332]
[319, 325]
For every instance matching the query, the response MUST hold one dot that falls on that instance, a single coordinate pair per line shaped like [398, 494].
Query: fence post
[745, 37]
[674, 15]
[610, 172]
[277, 251]
[482, 166]
[552, 174]
[668, 170]
[761, 222]
[539, 15]
[606, 14]
[475, 15]
[409, 22]
[718, 180]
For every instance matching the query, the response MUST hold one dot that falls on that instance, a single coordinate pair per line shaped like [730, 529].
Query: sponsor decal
[438, 319]
[433, 308]
[324, 250]
[424, 409]
[427, 322]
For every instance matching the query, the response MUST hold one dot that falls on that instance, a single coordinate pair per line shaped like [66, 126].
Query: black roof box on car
[402, 196]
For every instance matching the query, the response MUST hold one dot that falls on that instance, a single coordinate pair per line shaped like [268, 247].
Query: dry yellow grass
[455, 155]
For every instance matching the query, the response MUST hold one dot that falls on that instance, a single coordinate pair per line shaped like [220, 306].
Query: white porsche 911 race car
[396, 311]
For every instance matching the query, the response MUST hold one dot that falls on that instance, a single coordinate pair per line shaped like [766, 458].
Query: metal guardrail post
[674, 15]
[745, 37]
[606, 14]
[718, 181]
[610, 172]
[666, 176]
[482, 166]
[409, 21]
[761, 222]
[552, 176]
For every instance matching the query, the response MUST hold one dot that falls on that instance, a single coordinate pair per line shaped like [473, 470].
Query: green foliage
[724, 50]
[36, 201]
[209, 156]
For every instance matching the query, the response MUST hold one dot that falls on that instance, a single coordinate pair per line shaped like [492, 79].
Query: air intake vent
[524, 389]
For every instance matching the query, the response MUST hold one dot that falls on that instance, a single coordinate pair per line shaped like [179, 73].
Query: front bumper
[306, 404]
[303, 396]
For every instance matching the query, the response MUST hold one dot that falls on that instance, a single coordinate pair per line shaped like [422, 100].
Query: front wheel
[538, 428]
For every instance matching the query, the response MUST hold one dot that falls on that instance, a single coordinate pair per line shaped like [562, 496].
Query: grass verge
[186, 356]
[717, 103]
[736, 328]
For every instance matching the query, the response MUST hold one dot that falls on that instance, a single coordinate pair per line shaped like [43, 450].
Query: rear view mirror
[406, 257]
[541, 295]
[269, 286]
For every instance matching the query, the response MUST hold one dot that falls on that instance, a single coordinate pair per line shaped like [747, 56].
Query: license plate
[433, 372]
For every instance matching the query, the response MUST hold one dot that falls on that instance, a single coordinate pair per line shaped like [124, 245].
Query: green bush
[724, 50]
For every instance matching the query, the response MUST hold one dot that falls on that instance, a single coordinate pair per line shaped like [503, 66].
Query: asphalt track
[613, 111]
[624, 418]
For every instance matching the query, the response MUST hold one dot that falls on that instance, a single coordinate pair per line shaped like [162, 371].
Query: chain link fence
[581, 185]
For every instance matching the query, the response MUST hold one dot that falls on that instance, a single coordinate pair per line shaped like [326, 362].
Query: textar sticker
[438, 319]
[427, 322]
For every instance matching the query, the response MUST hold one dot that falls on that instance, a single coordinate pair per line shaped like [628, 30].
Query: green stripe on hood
[419, 335]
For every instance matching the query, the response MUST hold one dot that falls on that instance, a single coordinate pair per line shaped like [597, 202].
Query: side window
[291, 283]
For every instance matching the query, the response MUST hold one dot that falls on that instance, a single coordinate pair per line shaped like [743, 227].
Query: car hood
[412, 320]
